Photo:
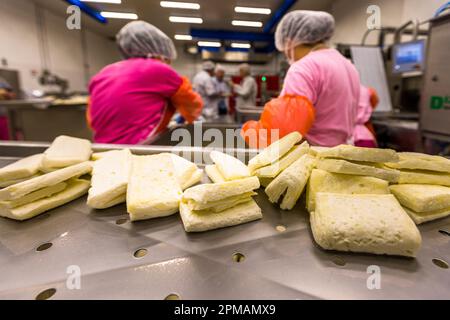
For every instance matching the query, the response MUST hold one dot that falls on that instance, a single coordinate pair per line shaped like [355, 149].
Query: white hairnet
[141, 39]
[220, 68]
[303, 27]
[245, 67]
[208, 65]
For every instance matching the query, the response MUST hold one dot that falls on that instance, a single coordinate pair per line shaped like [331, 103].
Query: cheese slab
[271, 171]
[75, 189]
[213, 173]
[413, 161]
[423, 217]
[8, 183]
[110, 176]
[23, 188]
[22, 168]
[229, 167]
[275, 151]
[348, 152]
[98, 155]
[66, 151]
[364, 223]
[34, 196]
[153, 189]
[422, 197]
[315, 150]
[120, 199]
[323, 181]
[219, 205]
[424, 177]
[200, 221]
[195, 178]
[184, 169]
[347, 167]
[291, 182]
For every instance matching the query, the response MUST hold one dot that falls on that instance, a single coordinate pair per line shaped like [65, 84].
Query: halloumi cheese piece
[8, 183]
[291, 182]
[229, 167]
[21, 169]
[323, 181]
[423, 217]
[314, 150]
[184, 169]
[75, 189]
[275, 151]
[195, 178]
[219, 205]
[422, 197]
[274, 169]
[412, 161]
[194, 221]
[98, 155]
[34, 196]
[66, 151]
[348, 152]
[214, 174]
[49, 179]
[347, 167]
[364, 223]
[110, 177]
[424, 177]
[153, 189]
[114, 202]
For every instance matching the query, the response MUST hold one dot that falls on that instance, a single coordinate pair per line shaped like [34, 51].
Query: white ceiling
[216, 14]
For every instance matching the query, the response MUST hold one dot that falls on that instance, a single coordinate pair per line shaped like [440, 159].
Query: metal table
[279, 259]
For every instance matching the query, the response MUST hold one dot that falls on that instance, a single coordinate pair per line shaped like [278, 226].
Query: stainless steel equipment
[274, 258]
[246, 114]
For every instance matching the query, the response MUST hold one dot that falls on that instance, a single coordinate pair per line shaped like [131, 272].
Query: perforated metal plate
[274, 258]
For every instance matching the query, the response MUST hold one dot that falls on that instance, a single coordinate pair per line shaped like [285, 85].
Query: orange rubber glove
[187, 102]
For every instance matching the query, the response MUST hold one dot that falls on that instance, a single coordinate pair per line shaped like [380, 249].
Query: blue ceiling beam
[90, 11]
[278, 15]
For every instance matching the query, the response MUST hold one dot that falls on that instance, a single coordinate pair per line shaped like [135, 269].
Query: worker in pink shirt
[134, 99]
[321, 89]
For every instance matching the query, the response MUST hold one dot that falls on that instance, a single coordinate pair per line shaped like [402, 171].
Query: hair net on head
[208, 65]
[245, 67]
[141, 39]
[303, 27]
[220, 68]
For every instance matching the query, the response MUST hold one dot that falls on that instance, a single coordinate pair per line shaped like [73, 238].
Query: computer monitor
[408, 57]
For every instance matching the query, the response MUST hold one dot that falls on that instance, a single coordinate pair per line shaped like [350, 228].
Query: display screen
[409, 56]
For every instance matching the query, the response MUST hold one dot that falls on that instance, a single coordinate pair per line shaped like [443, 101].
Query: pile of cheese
[45, 181]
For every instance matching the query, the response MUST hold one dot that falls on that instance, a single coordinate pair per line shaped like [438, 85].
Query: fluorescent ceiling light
[104, 1]
[180, 5]
[183, 37]
[185, 20]
[241, 45]
[243, 23]
[119, 15]
[252, 10]
[209, 44]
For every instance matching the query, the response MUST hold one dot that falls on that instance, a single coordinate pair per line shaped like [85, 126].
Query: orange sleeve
[374, 99]
[88, 115]
[187, 102]
[284, 114]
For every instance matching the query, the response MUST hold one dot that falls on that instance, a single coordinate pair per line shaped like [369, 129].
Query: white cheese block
[120, 199]
[348, 152]
[364, 223]
[347, 167]
[75, 189]
[219, 205]
[274, 169]
[8, 183]
[185, 170]
[424, 177]
[275, 151]
[210, 192]
[291, 182]
[49, 179]
[109, 181]
[98, 155]
[414, 161]
[423, 217]
[23, 168]
[197, 222]
[229, 167]
[213, 173]
[34, 196]
[323, 181]
[153, 189]
[66, 151]
[422, 197]
[195, 178]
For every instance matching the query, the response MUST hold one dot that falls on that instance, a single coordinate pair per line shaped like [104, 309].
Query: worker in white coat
[247, 90]
[204, 85]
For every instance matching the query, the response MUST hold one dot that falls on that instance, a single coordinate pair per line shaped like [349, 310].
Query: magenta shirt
[331, 83]
[128, 99]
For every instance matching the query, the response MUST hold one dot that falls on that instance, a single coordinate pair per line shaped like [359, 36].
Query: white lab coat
[204, 85]
[246, 93]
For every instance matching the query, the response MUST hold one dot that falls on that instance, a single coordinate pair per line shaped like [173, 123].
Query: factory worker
[247, 90]
[134, 99]
[223, 90]
[321, 89]
[204, 84]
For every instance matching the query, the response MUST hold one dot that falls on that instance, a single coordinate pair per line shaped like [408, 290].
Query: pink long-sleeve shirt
[332, 84]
